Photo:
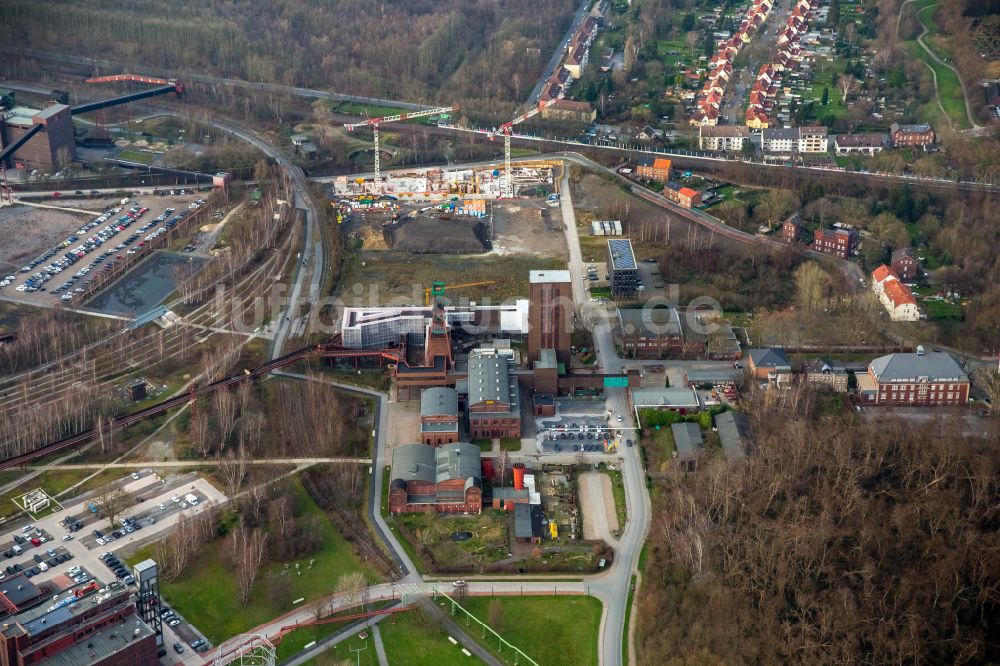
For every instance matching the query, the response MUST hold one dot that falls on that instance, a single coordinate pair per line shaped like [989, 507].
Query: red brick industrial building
[494, 400]
[444, 479]
[438, 416]
[51, 147]
[550, 314]
[82, 626]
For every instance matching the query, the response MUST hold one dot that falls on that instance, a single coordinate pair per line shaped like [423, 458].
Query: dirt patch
[431, 235]
[27, 232]
[528, 227]
[597, 501]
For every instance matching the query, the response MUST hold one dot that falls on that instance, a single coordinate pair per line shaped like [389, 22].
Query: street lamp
[358, 651]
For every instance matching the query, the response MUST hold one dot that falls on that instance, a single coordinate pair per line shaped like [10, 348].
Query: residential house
[445, 479]
[438, 416]
[567, 110]
[819, 371]
[653, 168]
[864, 144]
[780, 140]
[681, 195]
[904, 136]
[918, 379]
[840, 241]
[723, 137]
[791, 228]
[648, 133]
[895, 296]
[904, 263]
[770, 364]
[813, 139]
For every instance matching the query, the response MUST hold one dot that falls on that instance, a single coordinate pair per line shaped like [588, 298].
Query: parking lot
[72, 552]
[120, 234]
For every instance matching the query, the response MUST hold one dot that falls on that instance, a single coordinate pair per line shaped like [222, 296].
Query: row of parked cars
[112, 562]
[42, 563]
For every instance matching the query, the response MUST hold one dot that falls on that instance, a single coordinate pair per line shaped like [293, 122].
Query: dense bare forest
[468, 51]
[837, 542]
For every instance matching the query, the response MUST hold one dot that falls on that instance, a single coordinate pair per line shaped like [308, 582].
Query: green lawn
[949, 85]
[553, 631]
[409, 638]
[136, 156]
[207, 595]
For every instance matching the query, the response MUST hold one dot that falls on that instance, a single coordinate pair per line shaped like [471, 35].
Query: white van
[17, 550]
[191, 499]
[42, 566]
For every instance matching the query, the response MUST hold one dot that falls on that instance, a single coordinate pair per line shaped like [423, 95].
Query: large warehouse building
[52, 144]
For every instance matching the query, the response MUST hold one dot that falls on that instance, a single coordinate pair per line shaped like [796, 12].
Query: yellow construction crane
[437, 288]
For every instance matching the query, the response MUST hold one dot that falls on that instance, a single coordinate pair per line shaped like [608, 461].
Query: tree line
[837, 541]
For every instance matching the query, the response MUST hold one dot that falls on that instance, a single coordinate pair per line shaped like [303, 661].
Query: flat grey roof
[665, 397]
[103, 644]
[930, 366]
[541, 277]
[622, 257]
[650, 322]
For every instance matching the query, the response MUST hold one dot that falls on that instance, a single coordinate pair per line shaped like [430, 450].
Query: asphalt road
[613, 587]
[556, 60]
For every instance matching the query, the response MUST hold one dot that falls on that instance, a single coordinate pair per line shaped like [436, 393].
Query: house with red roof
[895, 296]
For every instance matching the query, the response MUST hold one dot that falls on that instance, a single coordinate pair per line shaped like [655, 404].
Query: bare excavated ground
[528, 227]
[26, 232]
[597, 501]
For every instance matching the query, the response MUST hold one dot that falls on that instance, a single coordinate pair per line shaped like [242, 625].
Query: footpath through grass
[949, 86]
[554, 631]
[207, 594]
[410, 638]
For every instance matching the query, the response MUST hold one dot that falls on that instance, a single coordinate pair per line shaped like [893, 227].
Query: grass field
[554, 631]
[136, 156]
[207, 596]
[949, 85]
[409, 638]
[393, 277]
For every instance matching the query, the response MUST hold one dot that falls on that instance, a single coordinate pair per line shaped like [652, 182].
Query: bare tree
[352, 585]
[248, 553]
[198, 431]
[846, 83]
[225, 410]
[113, 502]
[234, 469]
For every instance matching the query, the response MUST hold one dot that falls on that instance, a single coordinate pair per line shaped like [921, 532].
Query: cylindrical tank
[518, 476]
